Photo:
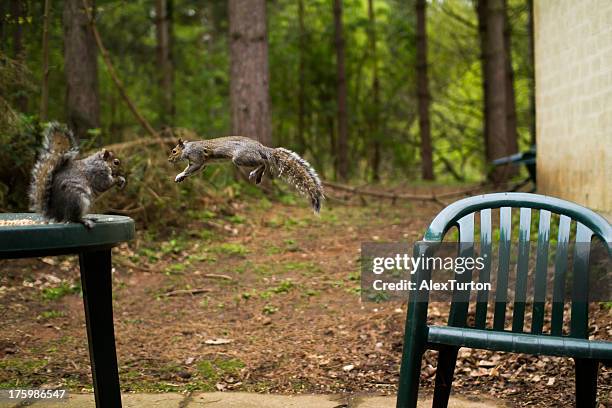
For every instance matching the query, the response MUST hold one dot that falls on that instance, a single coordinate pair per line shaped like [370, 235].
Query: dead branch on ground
[186, 292]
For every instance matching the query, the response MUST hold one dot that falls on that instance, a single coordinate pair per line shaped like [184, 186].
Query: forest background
[369, 91]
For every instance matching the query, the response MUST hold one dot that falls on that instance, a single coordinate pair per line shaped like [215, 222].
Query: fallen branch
[403, 196]
[217, 276]
[186, 292]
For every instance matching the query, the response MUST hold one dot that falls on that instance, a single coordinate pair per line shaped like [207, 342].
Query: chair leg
[586, 382]
[447, 359]
[97, 297]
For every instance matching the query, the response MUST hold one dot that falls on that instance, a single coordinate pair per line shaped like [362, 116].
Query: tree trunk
[44, 94]
[423, 91]
[375, 120]
[18, 17]
[249, 78]
[3, 24]
[163, 26]
[81, 69]
[301, 76]
[511, 131]
[495, 80]
[481, 10]
[531, 65]
[342, 140]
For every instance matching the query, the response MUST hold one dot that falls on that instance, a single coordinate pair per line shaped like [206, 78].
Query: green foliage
[19, 141]
[284, 287]
[60, 291]
[230, 249]
[269, 309]
[51, 314]
[22, 366]
[213, 370]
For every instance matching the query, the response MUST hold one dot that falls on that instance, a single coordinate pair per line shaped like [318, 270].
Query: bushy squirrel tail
[59, 147]
[299, 173]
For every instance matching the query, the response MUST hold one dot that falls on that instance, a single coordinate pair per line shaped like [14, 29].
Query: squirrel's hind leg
[87, 223]
[247, 158]
[257, 174]
[75, 211]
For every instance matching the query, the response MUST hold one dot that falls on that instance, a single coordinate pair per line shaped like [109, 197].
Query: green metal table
[93, 246]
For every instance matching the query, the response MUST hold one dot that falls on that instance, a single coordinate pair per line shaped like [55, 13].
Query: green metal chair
[587, 354]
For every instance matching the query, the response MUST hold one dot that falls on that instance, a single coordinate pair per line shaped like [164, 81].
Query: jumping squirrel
[63, 188]
[246, 152]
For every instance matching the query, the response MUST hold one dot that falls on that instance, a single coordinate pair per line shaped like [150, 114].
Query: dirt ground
[254, 296]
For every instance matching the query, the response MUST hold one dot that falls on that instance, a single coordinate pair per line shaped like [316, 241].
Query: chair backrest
[461, 214]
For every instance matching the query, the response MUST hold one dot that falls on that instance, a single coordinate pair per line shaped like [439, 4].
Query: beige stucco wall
[573, 53]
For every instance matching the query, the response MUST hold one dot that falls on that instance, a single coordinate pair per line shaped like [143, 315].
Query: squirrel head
[177, 152]
[113, 162]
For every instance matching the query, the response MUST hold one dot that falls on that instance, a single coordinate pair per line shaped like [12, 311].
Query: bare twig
[143, 142]
[127, 211]
[450, 168]
[186, 292]
[217, 276]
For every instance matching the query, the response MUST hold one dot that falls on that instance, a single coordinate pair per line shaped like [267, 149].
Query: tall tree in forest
[18, 13]
[342, 139]
[531, 70]
[17, 17]
[80, 68]
[511, 130]
[423, 90]
[249, 77]
[163, 30]
[301, 76]
[375, 119]
[481, 11]
[2, 25]
[44, 94]
[495, 83]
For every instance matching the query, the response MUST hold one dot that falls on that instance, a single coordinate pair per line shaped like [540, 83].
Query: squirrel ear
[180, 142]
[105, 154]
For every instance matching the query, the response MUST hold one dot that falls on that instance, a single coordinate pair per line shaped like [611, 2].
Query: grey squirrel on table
[64, 187]
[246, 152]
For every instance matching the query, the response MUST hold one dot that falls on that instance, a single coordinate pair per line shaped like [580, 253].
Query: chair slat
[501, 290]
[556, 328]
[482, 298]
[537, 320]
[580, 305]
[461, 298]
[522, 271]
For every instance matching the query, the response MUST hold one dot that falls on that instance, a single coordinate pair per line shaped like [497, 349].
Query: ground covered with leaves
[253, 295]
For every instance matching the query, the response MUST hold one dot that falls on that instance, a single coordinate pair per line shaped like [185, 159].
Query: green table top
[34, 238]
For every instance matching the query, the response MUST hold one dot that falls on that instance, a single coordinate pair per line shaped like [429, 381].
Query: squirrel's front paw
[179, 178]
[121, 182]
